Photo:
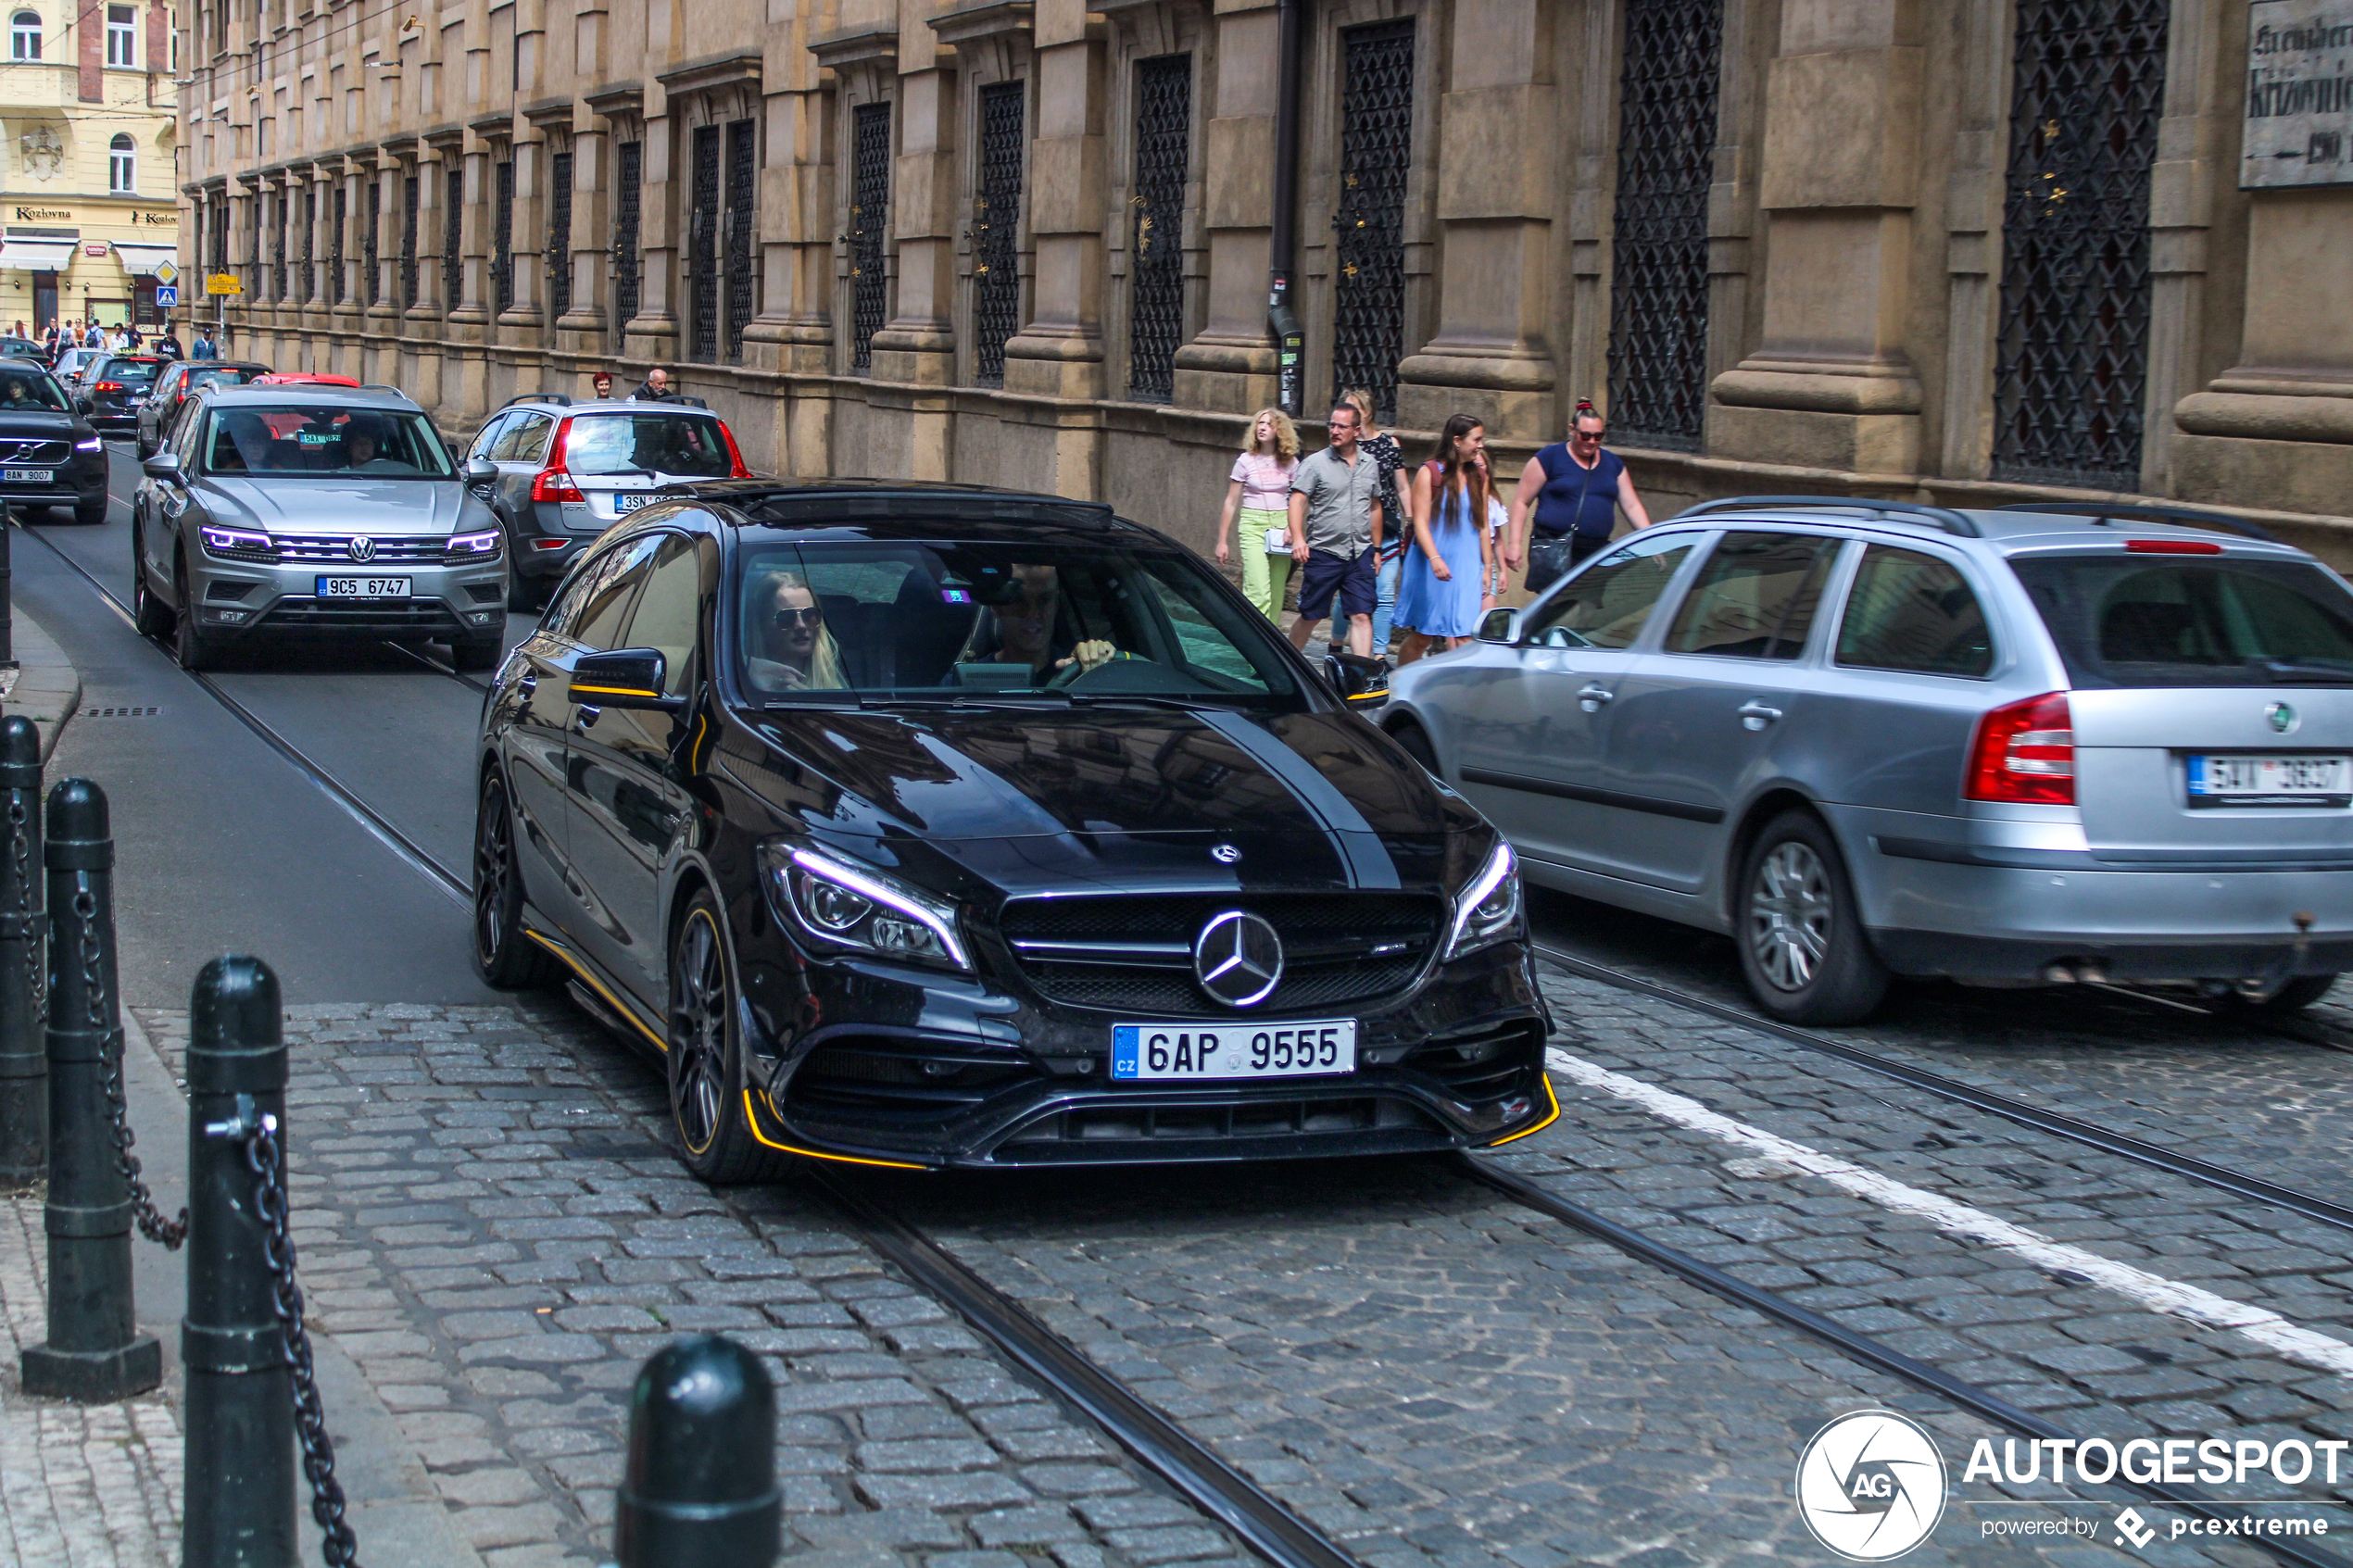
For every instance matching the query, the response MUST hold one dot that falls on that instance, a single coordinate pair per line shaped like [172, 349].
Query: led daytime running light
[1500, 866]
[885, 895]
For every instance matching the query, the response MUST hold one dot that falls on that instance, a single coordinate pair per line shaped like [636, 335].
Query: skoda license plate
[2269, 780]
[28, 476]
[1189, 1053]
[363, 587]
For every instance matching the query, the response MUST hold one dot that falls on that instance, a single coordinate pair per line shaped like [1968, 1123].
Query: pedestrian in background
[1388, 458]
[1447, 564]
[655, 387]
[167, 342]
[206, 348]
[1336, 532]
[1258, 490]
[602, 383]
[1570, 492]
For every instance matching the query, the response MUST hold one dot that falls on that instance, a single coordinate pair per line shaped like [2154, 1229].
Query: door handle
[586, 719]
[1591, 697]
[1757, 715]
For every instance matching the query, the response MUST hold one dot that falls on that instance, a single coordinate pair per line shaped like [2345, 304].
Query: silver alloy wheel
[1789, 915]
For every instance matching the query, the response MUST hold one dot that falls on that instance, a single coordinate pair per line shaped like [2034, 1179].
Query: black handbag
[1550, 556]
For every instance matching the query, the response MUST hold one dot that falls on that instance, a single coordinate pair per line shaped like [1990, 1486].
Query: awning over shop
[141, 261]
[36, 256]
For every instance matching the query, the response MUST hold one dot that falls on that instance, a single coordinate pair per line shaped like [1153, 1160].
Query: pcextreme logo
[1872, 1486]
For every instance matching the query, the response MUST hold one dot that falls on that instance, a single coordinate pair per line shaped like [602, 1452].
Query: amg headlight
[1488, 909]
[857, 908]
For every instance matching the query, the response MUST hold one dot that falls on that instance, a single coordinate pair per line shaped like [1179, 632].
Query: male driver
[206, 348]
[1334, 534]
[655, 387]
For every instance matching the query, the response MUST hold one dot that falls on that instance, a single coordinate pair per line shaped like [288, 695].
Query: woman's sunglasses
[788, 618]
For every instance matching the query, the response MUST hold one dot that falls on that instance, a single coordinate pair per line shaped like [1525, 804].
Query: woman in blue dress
[1453, 553]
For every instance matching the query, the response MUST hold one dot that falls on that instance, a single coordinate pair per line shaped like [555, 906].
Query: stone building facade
[1969, 251]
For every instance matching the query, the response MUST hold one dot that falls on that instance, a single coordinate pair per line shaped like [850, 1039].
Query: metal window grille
[306, 266]
[743, 182]
[702, 245]
[370, 283]
[1156, 245]
[334, 247]
[453, 230]
[997, 230]
[627, 190]
[502, 239]
[1658, 252]
[408, 189]
[558, 235]
[220, 237]
[869, 220]
[1376, 144]
[2070, 365]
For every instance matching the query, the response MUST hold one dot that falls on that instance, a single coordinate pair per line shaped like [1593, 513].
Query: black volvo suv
[930, 826]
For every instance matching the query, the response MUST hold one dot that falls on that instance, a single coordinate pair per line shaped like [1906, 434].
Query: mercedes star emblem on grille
[363, 548]
[1238, 958]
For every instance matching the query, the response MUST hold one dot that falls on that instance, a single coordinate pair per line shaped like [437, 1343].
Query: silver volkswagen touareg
[313, 511]
[1874, 739]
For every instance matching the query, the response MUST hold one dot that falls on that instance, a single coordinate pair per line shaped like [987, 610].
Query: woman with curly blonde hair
[1259, 492]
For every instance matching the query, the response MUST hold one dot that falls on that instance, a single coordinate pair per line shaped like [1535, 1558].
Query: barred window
[869, 220]
[996, 230]
[703, 237]
[334, 247]
[409, 188]
[1376, 144]
[742, 214]
[371, 287]
[628, 191]
[453, 229]
[558, 236]
[1156, 243]
[502, 239]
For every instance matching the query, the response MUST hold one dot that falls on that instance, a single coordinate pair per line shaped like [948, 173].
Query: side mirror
[480, 470]
[1500, 626]
[1362, 682]
[163, 465]
[624, 678]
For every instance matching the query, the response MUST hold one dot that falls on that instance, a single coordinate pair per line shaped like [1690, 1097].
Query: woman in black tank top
[1571, 520]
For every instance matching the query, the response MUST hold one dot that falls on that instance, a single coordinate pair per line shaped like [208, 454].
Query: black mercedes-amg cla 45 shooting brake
[931, 826]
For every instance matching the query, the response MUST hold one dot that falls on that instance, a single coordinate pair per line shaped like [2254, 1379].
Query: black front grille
[337, 548]
[1292, 1125]
[423, 616]
[1479, 1065]
[1134, 954]
[51, 452]
[887, 1080]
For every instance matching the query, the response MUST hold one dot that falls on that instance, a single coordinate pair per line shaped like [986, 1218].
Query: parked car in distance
[23, 347]
[178, 379]
[73, 362]
[2044, 745]
[567, 471]
[115, 389]
[314, 512]
[50, 456]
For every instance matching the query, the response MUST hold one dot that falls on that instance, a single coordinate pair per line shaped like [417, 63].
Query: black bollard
[95, 1351]
[24, 1056]
[699, 1489]
[240, 1510]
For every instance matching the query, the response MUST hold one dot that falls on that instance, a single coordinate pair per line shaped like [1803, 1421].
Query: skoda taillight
[2024, 754]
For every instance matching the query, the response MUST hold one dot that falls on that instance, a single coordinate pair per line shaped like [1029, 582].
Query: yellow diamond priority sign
[167, 274]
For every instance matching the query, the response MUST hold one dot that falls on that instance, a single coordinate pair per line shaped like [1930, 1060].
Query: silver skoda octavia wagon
[1872, 739]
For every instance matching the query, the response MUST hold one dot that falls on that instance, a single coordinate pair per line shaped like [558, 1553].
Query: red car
[300, 378]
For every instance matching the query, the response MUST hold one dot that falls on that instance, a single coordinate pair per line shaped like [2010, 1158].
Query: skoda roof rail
[2188, 516]
[1951, 521]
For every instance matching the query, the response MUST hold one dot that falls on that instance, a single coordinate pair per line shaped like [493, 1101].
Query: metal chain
[338, 1545]
[36, 976]
[152, 1224]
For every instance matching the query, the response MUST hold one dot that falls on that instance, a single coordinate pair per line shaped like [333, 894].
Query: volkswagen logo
[1238, 958]
[1225, 854]
[363, 548]
[2283, 717]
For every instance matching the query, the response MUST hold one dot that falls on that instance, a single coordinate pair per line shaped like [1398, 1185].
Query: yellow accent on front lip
[598, 987]
[614, 691]
[1540, 1126]
[751, 1119]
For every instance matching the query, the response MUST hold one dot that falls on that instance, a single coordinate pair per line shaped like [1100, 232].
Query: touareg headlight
[1487, 908]
[484, 546]
[850, 907]
[238, 544]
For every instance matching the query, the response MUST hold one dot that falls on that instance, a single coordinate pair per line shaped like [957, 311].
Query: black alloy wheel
[1803, 947]
[190, 646]
[504, 957]
[708, 1092]
[152, 616]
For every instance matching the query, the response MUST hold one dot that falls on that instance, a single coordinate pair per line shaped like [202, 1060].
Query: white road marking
[2155, 1292]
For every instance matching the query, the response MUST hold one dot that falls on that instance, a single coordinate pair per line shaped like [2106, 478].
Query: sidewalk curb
[48, 688]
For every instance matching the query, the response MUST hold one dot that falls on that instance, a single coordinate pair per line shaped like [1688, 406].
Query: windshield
[224, 375]
[24, 389]
[131, 373]
[2211, 620]
[685, 444]
[309, 443]
[998, 622]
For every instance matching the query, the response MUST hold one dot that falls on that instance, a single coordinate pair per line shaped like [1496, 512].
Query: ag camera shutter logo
[1872, 1486]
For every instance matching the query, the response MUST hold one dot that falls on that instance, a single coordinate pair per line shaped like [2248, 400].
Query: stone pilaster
[1830, 384]
[1229, 366]
[1498, 136]
[1059, 351]
[918, 344]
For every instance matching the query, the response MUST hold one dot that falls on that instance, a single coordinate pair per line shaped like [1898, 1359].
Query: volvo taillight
[553, 484]
[732, 456]
[2024, 754]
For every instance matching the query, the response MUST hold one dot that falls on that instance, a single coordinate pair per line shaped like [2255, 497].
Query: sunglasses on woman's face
[788, 618]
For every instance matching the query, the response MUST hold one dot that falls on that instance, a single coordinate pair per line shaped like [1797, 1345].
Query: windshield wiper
[1146, 699]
